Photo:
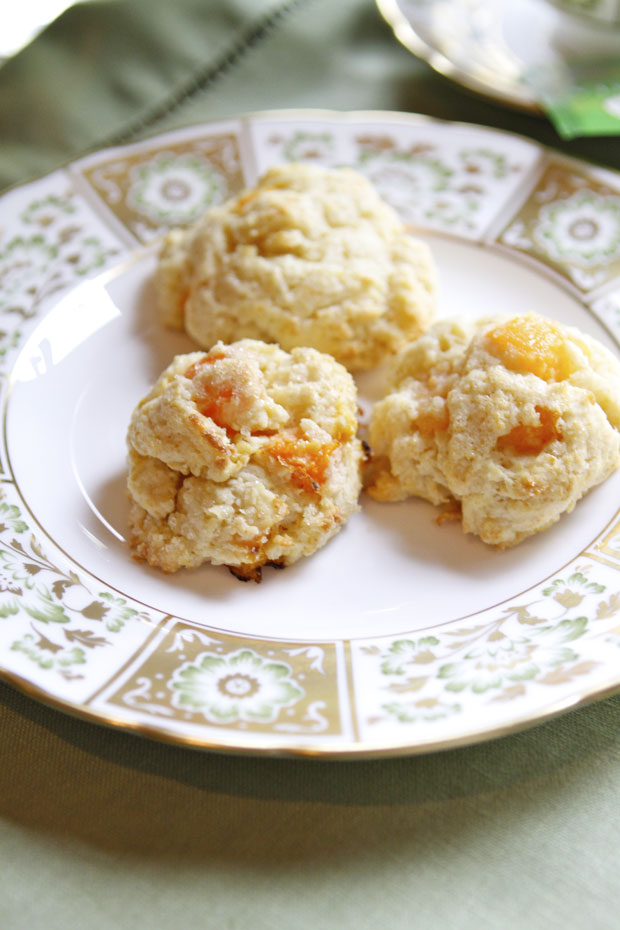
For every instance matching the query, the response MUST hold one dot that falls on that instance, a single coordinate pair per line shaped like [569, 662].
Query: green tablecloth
[104, 829]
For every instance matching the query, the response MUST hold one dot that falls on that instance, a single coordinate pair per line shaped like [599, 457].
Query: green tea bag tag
[581, 99]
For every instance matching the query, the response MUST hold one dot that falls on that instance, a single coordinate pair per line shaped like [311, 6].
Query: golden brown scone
[308, 257]
[514, 419]
[243, 456]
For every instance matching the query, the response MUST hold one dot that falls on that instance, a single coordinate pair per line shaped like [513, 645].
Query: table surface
[101, 828]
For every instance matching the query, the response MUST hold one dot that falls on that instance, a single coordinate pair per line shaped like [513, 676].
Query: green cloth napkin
[102, 829]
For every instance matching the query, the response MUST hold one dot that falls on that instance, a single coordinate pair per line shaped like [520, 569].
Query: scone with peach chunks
[509, 420]
[310, 256]
[243, 456]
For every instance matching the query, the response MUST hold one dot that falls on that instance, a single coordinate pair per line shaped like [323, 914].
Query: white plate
[494, 46]
[400, 635]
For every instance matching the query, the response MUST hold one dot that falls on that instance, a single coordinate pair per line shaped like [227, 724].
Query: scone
[512, 420]
[244, 456]
[308, 257]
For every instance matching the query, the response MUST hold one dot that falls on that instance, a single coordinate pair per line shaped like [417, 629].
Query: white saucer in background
[491, 46]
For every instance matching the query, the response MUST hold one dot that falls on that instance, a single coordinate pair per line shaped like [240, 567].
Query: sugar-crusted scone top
[243, 456]
[513, 418]
[308, 257]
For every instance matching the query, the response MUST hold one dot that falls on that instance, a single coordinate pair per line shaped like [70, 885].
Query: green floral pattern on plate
[63, 622]
[239, 686]
[175, 190]
[54, 251]
[571, 222]
[584, 227]
[527, 643]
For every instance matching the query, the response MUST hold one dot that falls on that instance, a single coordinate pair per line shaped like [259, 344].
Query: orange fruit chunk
[529, 344]
[530, 440]
[307, 459]
[211, 398]
[211, 404]
[194, 368]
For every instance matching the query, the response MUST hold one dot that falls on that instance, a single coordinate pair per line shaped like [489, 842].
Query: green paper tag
[582, 99]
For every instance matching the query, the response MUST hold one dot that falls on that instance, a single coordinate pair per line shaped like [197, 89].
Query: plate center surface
[392, 569]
